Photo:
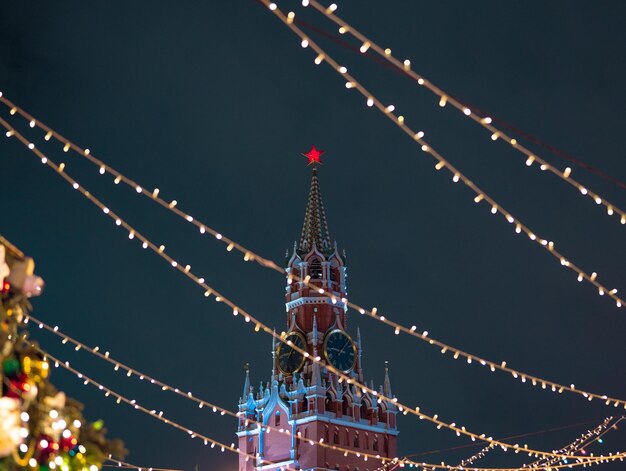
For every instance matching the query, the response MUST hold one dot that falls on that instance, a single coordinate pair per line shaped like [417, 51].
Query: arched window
[329, 403]
[335, 273]
[375, 444]
[364, 410]
[277, 419]
[356, 440]
[386, 445]
[336, 436]
[315, 269]
[346, 406]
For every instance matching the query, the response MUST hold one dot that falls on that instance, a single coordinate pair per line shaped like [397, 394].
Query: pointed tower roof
[246, 384]
[387, 383]
[315, 228]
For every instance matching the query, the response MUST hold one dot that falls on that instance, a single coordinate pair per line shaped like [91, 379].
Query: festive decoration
[249, 255]
[595, 435]
[39, 427]
[123, 464]
[445, 98]
[258, 325]
[10, 426]
[576, 460]
[480, 195]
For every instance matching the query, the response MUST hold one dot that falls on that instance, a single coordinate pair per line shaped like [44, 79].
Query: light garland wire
[124, 464]
[585, 439]
[388, 111]
[597, 432]
[444, 98]
[249, 255]
[528, 434]
[223, 447]
[78, 345]
[133, 372]
[477, 456]
[236, 310]
[153, 413]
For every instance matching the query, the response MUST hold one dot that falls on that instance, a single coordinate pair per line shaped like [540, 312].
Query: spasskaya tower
[302, 397]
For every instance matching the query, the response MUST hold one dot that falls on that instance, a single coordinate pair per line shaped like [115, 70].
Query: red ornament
[6, 286]
[314, 156]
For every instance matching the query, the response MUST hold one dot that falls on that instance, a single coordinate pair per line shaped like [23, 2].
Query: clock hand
[344, 346]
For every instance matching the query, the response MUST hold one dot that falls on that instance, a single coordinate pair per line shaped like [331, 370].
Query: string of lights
[258, 325]
[153, 413]
[587, 438]
[223, 447]
[445, 98]
[442, 163]
[477, 456]
[249, 255]
[526, 135]
[510, 437]
[130, 372]
[202, 404]
[596, 432]
[124, 464]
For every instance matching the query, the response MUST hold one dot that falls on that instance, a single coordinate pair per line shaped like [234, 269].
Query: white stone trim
[345, 423]
[276, 465]
[315, 300]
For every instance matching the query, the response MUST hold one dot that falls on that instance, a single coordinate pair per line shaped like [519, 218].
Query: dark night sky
[213, 101]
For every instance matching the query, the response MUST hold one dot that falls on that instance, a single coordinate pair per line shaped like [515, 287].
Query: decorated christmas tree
[40, 428]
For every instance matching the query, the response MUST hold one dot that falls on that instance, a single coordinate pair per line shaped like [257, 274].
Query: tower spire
[246, 384]
[387, 383]
[315, 228]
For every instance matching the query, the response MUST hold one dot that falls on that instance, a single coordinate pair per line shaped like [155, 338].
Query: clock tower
[303, 397]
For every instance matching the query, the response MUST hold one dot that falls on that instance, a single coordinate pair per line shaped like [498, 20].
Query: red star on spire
[314, 156]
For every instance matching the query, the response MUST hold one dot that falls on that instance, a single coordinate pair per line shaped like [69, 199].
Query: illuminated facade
[303, 397]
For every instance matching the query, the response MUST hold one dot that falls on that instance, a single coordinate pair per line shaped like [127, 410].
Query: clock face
[289, 360]
[339, 350]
